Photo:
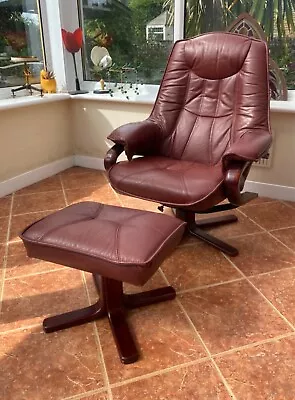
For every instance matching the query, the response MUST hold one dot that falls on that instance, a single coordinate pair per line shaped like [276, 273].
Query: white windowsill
[145, 97]
[25, 101]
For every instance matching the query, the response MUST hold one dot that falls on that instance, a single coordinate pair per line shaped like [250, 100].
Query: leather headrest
[222, 60]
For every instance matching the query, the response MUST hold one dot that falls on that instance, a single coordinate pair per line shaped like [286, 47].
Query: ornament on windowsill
[47, 80]
[102, 61]
[73, 42]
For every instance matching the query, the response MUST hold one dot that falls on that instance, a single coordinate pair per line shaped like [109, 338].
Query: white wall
[33, 136]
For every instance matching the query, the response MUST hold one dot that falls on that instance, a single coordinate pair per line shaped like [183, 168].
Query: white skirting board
[89, 162]
[36, 175]
[270, 190]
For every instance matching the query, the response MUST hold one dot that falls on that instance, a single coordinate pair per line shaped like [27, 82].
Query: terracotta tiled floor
[230, 333]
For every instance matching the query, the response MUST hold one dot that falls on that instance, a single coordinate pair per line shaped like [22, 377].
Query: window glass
[138, 35]
[277, 19]
[20, 40]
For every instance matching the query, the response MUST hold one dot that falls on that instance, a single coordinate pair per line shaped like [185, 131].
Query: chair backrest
[215, 88]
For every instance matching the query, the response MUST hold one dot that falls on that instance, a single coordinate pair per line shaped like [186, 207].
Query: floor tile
[29, 300]
[232, 315]
[103, 194]
[19, 264]
[279, 288]
[197, 265]
[46, 185]
[261, 253]
[20, 222]
[271, 215]
[5, 203]
[263, 372]
[38, 202]
[163, 336]
[287, 236]
[198, 382]
[3, 229]
[82, 179]
[36, 366]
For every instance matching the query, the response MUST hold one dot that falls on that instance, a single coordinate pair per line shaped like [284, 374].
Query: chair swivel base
[195, 228]
[113, 304]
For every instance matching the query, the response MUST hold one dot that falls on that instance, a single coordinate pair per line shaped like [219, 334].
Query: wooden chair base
[196, 228]
[113, 304]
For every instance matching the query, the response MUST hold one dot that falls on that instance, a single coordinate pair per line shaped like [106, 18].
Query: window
[138, 35]
[20, 40]
[277, 19]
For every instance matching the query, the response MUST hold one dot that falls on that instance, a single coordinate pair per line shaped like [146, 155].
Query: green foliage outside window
[122, 30]
[14, 28]
[276, 17]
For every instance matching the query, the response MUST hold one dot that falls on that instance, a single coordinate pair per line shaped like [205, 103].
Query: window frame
[57, 14]
[5, 92]
[71, 19]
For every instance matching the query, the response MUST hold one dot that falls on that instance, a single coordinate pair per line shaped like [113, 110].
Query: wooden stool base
[113, 304]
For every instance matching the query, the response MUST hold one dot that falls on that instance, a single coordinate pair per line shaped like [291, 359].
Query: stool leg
[149, 297]
[113, 291]
[77, 317]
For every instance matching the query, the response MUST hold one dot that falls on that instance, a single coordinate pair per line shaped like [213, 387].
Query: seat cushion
[168, 181]
[118, 243]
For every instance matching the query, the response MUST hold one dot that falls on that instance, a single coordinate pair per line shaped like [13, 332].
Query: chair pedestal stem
[195, 228]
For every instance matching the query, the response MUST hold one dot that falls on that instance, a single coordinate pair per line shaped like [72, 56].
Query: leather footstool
[116, 245]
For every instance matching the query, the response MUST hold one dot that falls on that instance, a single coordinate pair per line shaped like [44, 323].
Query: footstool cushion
[118, 243]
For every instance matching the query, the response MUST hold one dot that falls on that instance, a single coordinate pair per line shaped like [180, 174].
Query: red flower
[72, 40]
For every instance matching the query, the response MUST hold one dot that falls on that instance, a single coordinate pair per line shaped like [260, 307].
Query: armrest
[235, 175]
[251, 146]
[112, 155]
[137, 137]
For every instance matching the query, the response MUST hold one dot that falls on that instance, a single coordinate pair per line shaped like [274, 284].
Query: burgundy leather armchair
[209, 123]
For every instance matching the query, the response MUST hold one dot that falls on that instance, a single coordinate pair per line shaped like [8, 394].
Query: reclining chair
[209, 123]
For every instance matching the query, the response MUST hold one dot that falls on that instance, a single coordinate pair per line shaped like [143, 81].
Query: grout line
[37, 192]
[209, 286]
[63, 190]
[224, 381]
[37, 212]
[278, 240]
[288, 205]
[22, 328]
[82, 396]
[159, 372]
[258, 291]
[99, 347]
[270, 272]
[280, 229]
[269, 233]
[255, 344]
[35, 274]
[6, 253]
